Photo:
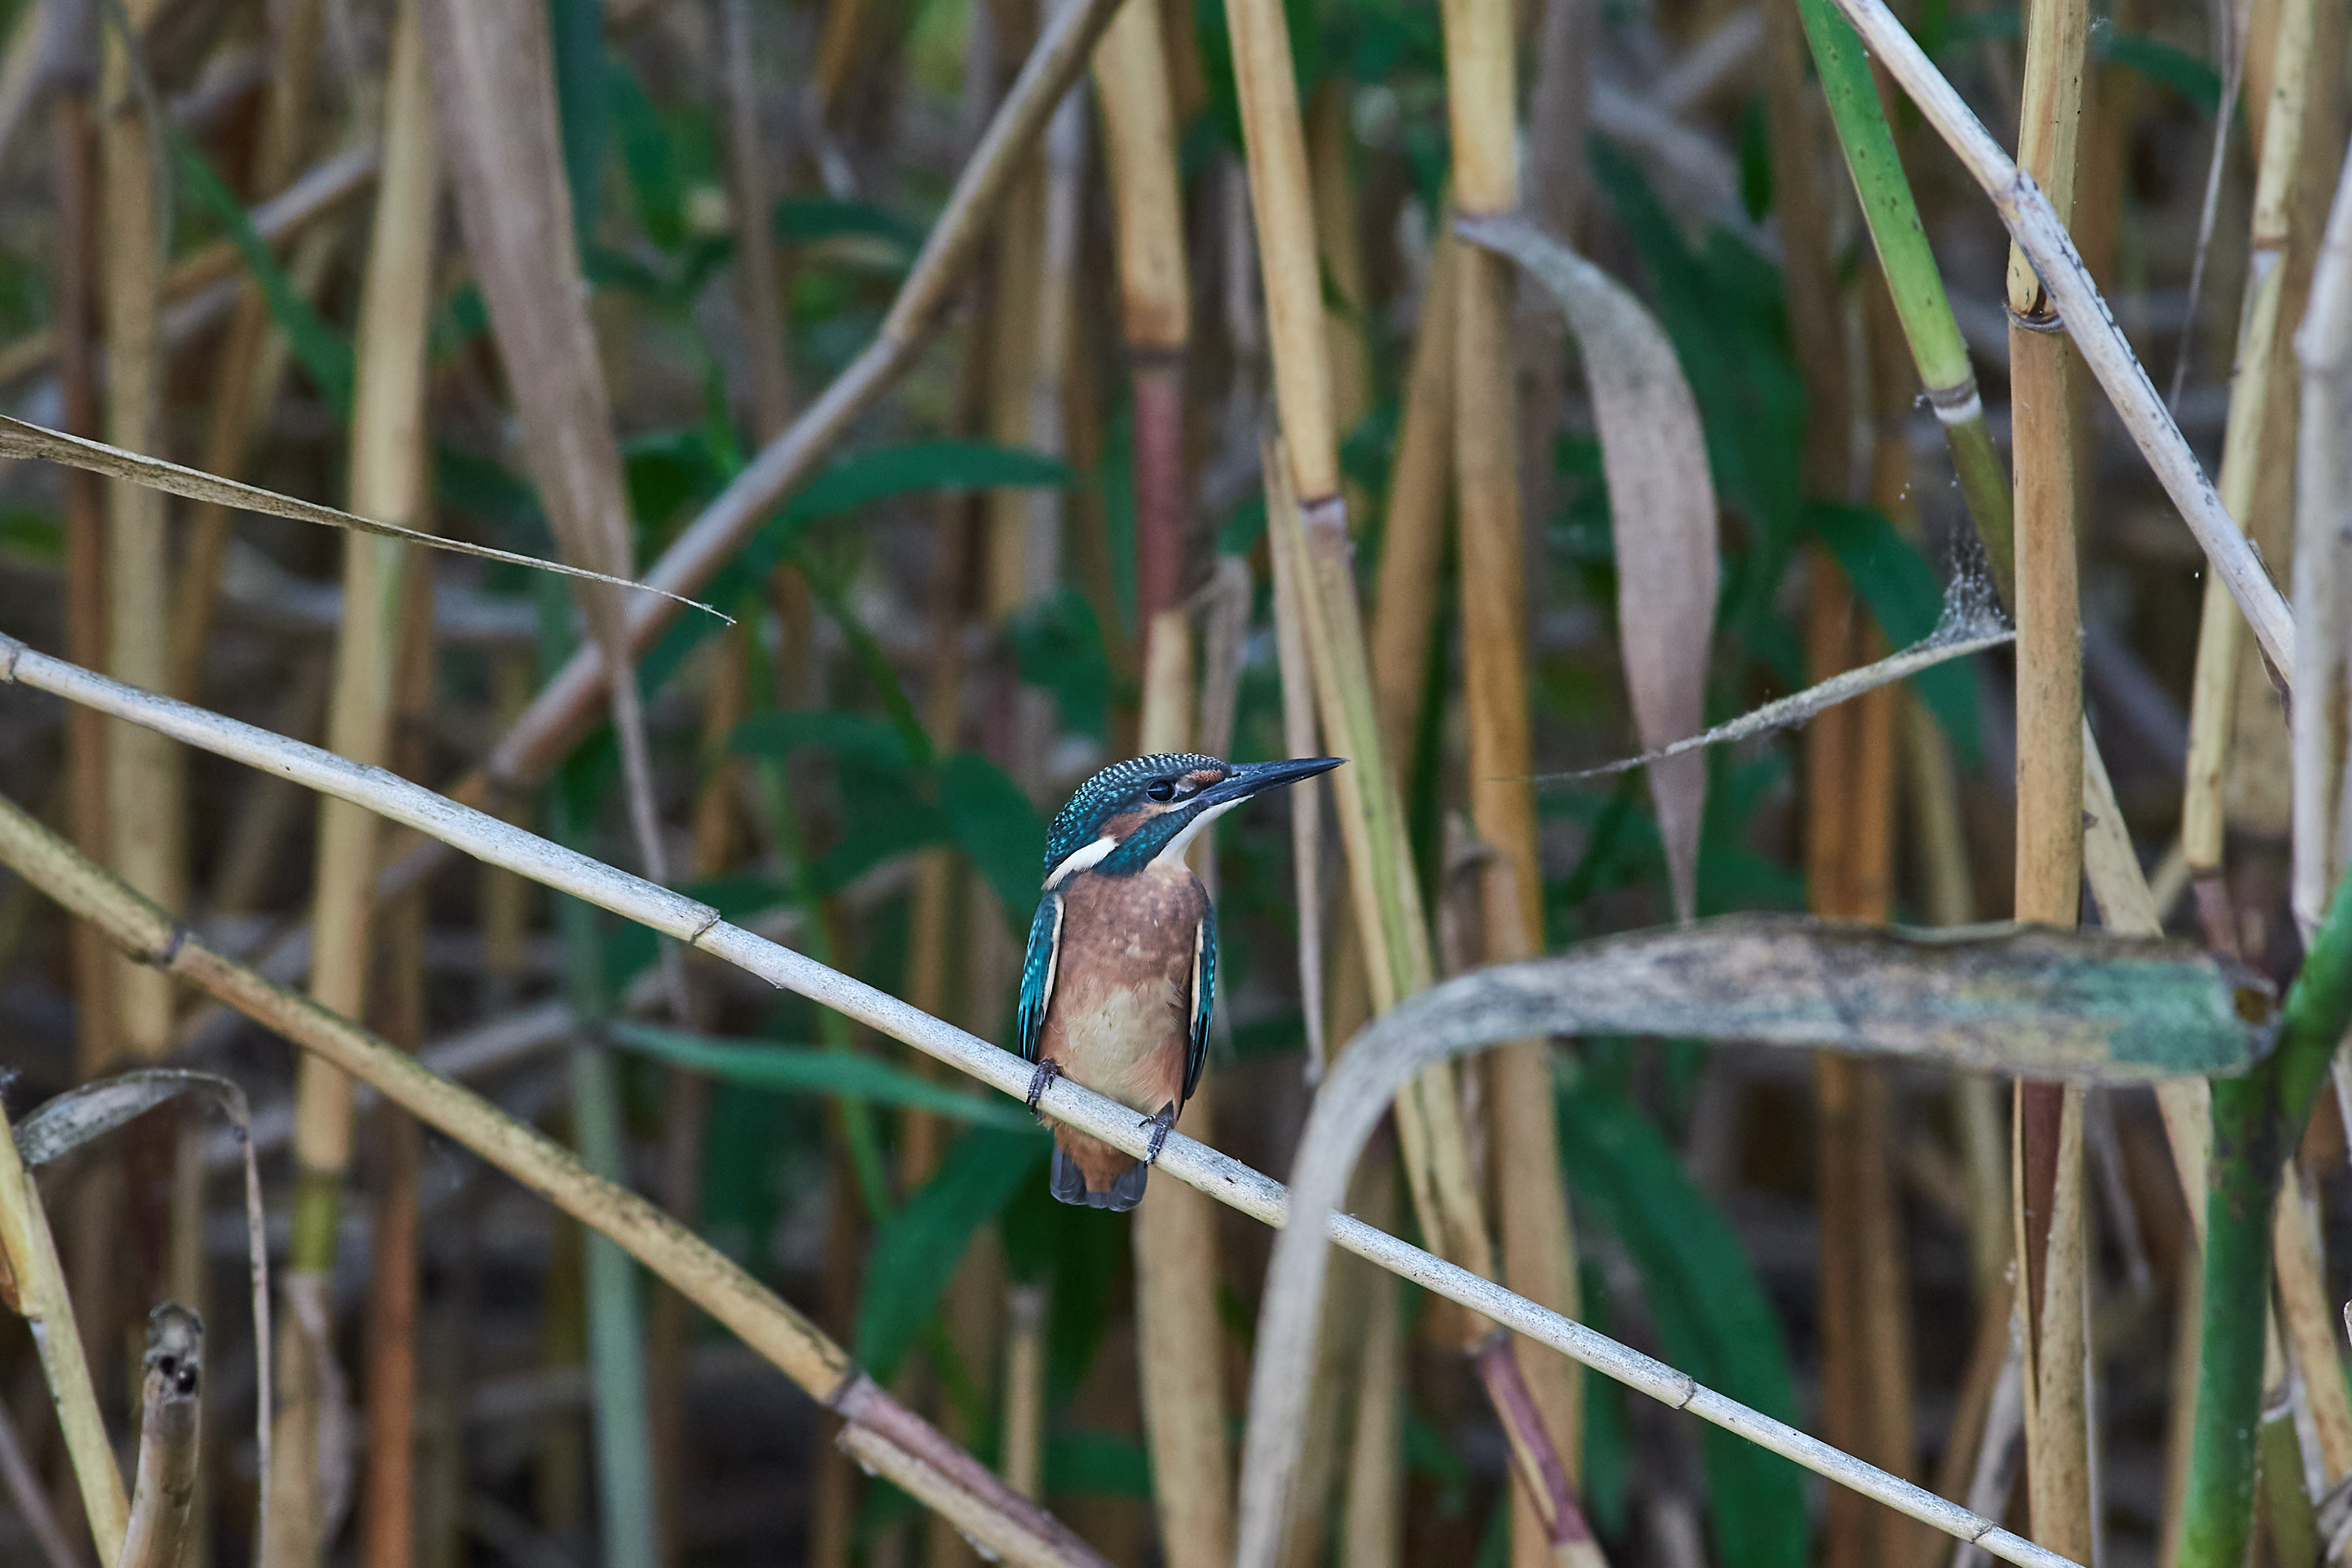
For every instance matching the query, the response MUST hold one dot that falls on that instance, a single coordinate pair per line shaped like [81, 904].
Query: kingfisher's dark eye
[1160, 789]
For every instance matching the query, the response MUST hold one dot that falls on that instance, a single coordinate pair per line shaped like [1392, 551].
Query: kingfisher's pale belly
[1125, 1041]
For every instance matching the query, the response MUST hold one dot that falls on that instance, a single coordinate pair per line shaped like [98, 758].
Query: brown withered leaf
[1662, 510]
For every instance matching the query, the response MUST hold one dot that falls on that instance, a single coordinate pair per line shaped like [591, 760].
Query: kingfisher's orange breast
[1120, 1017]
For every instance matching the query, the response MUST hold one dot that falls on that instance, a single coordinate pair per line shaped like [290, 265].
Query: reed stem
[73, 145]
[1538, 1254]
[388, 473]
[1140, 154]
[146, 787]
[30, 1253]
[1180, 1339]
[1412, 538]
[2047, 1126]
[2221, 632]
[171, 1408]
[1913, 280]
[245, 380]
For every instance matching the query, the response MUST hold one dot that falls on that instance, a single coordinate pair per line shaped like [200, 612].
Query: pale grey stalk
[2043, 239]
[2323, 512]
[1225, 1179]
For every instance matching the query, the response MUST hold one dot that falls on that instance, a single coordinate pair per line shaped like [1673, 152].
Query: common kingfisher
[1121, 971]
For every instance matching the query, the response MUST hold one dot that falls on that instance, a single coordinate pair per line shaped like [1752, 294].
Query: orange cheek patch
[1126, 822]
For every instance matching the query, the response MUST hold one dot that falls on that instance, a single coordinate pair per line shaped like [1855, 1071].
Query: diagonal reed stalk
[53, 867]
[2039, 234]
[30, 1253]
[1307, 515]
[494, 73]
[898, 1443]
[570, 705]
[2111, 864]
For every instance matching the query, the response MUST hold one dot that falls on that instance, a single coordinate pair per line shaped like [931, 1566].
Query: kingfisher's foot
[1048, 1072]
[1162, 1125]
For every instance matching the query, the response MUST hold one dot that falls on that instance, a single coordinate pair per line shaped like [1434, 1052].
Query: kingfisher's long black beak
[1256, 778]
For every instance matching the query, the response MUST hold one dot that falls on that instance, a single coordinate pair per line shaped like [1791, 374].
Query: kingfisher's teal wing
[1205, 998]
[1037, 971]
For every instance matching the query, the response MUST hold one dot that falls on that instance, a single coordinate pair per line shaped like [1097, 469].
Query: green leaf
[2159, 62]
[865, 477]
[994, 824]
[1082, 1254]
[806, 220]
[1900, 588]
[1096, 1464]
[917, 1250]
[1710, 1313]
[1427, 1453]
[324, 354]
[654, 185]
[811, 1069]
[1058, 644]
[576, 34]
[31, 535]
[877, 740]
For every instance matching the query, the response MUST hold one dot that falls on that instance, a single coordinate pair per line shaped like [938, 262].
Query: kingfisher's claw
[1047, 1073]
[1160, 1125]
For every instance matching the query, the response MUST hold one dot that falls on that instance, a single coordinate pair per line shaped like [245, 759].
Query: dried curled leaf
[1661, 512]
[2021, 999]
[83, 1115]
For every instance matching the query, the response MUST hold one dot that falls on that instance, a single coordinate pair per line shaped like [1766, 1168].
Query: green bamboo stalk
[2257, 1120]
[2219, 1513]
[1913, 280]
[616, 1366]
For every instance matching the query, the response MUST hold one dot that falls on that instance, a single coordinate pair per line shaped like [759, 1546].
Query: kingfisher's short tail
[1091, 1175]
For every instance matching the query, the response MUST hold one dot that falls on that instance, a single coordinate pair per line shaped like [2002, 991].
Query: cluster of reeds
[558, 554]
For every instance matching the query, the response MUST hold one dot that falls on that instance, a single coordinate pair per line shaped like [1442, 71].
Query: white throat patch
[1080, 859]
[1171, 856]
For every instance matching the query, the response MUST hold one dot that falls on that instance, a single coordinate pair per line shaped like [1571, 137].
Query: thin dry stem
[390, 455]
[146, 791]
[2221, 630]
[172, 1407]
[30, 1253]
